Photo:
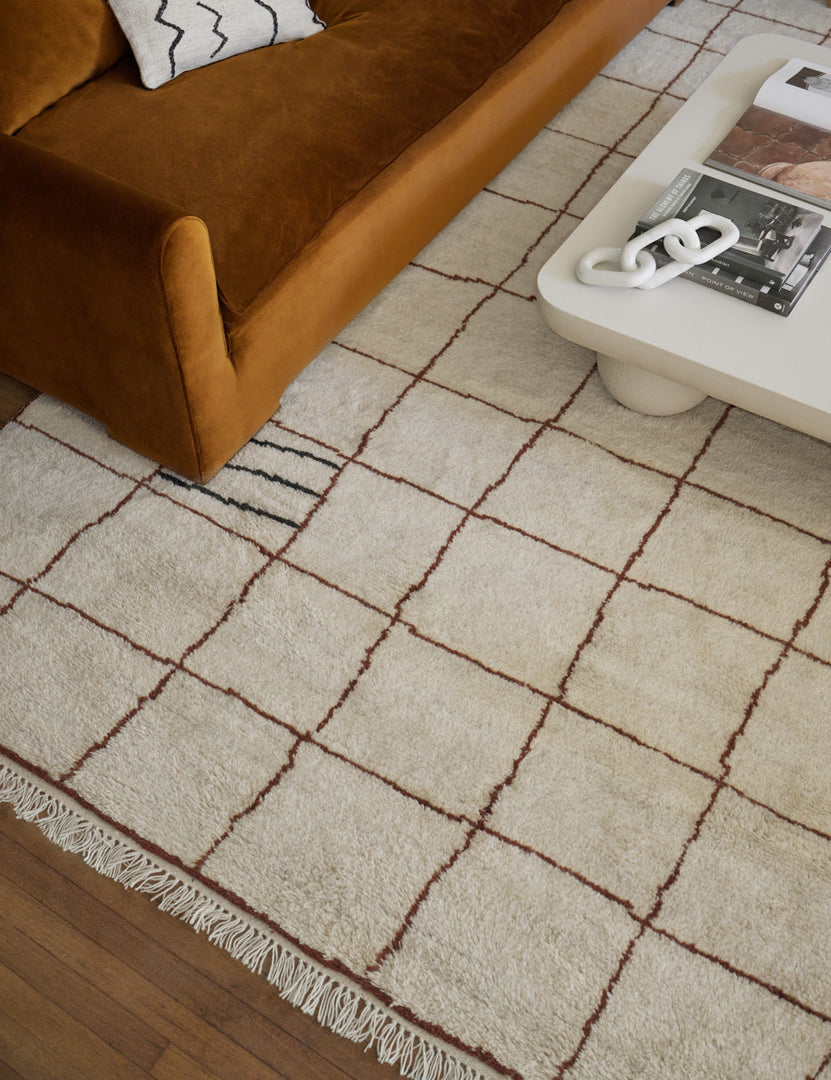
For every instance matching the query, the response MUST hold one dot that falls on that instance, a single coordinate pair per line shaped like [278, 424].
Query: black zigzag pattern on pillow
[216, 29]
[180, 33]
[270, 9]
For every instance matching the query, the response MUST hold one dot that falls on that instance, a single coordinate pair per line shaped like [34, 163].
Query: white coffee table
[662, 351]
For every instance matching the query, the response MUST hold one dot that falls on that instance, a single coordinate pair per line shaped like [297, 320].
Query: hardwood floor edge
[283, 1038]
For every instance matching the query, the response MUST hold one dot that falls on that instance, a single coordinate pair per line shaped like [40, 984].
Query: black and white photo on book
[781, 245]
[783, 141]
[773, 233]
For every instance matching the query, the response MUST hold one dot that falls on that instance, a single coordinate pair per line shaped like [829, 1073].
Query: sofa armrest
[110, 303]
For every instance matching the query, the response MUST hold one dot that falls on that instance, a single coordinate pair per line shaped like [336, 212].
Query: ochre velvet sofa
[172, 258]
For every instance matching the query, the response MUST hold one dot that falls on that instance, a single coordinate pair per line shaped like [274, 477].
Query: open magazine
[783, 141]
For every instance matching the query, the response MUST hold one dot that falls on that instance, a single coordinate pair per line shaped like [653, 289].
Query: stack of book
[781, 246]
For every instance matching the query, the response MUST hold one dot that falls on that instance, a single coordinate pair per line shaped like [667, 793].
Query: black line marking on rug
[295, 450]
[144, 482]
[227, 500]
[269, 560]
[273, 478]
[527, 446]
[564, 703]
[558, 427]
[314, 510]
[240, 599]
[207, 517]
[370, 651]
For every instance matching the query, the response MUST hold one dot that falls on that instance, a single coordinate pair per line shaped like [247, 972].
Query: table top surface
[682, 330]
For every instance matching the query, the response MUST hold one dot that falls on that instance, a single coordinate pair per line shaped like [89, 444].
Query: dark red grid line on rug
[308, 737]
[636, 554]
[402, 931]
[476, 825]
[396, 615]
[28, 583]
[564, 429]
[721, 780]
[238, 900]
[474, 660]
[624, 575]
[396, 941]
[145, 484]
[776, 20]
[536, 538]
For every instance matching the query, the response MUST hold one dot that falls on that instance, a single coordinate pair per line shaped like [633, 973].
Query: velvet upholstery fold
[47, 48]
[264, 147]
[109, 302]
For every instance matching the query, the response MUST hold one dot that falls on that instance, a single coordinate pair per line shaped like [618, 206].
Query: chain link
[637, 268]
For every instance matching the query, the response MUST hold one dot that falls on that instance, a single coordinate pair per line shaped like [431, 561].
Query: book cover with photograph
[783, 141]
[779, 300]
[774, 235]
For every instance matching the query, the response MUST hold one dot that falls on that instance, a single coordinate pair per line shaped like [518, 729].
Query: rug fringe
[333, 1003]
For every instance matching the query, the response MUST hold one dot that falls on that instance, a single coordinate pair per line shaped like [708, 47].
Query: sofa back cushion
[47, 48]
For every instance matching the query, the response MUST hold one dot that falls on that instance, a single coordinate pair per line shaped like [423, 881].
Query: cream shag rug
[488, 719]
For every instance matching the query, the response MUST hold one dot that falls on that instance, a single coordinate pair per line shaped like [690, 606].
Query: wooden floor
[96, 982]
[13, 396]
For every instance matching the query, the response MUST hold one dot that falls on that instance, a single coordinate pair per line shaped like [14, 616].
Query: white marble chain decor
[637, 268]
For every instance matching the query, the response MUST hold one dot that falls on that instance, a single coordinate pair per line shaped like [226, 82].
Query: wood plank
[174, 1065]
[41, 1025]
[59, 983]
[136, 993]
[23, 1057]
[14, 396]
[264, 1023]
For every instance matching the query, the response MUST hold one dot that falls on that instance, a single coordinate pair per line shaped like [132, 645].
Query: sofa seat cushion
[47, 48]
[265, 146]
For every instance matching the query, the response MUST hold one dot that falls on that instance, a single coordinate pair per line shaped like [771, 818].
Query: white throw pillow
[171, 36]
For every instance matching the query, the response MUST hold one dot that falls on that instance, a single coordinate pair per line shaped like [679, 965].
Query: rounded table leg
[643, 391]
